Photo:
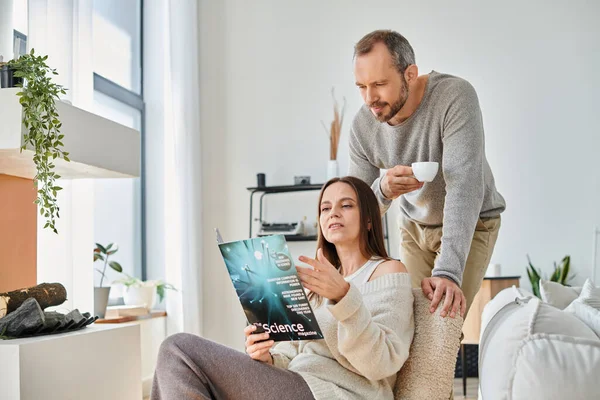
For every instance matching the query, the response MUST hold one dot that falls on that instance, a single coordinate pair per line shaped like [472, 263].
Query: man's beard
[395, 108]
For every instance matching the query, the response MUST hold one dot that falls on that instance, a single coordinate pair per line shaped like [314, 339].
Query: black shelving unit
[266, 190]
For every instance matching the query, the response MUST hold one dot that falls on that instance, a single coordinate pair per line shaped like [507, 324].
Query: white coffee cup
[425, 171]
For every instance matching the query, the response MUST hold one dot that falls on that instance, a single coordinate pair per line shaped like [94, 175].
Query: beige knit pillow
[428, 373]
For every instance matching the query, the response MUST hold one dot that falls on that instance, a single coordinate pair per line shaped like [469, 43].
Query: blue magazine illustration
[264, 277]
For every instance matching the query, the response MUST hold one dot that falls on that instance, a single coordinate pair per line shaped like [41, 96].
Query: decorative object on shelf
[493, 270]
[560, 274]
[125, 311]
[143, 293]
[29, 320]
[41, 120]
[46, 294]
[281, 228]
[22, 315]
[333, 169]
[301, 180]
[101, 293]
[334, 133]
[260, 180]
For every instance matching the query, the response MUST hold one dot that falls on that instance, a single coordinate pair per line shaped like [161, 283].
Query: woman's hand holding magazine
[257, 345]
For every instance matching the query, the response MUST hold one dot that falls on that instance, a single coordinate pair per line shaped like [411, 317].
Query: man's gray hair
[401, 51]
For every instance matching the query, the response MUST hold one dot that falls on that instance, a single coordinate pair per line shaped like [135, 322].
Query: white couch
[531, 349]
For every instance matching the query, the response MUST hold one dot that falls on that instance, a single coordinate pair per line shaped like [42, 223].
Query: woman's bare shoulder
[388, 267]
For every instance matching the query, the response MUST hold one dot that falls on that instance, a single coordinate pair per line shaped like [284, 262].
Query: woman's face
[339, 214]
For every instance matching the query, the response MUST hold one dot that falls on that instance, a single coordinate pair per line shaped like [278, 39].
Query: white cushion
[587, 314]
[558, 295]
[554, 367]
[523, 293]
[587, 306]
[505, 358]
[590, 294]
[501, 299]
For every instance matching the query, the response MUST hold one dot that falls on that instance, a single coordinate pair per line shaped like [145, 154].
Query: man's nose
[371, 96]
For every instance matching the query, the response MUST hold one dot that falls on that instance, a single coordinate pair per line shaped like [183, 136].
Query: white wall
[266, 72]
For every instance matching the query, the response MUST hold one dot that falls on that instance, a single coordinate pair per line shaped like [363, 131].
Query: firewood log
[46, 294]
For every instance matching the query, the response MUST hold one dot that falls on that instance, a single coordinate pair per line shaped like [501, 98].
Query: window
[117, 42]
[20, 26]
[119, 203]
[20, 16]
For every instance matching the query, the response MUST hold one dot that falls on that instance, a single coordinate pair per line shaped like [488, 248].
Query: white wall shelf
[98, 147]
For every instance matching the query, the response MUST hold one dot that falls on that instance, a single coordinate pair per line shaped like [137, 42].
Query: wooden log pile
[46, 294]
[22, 315]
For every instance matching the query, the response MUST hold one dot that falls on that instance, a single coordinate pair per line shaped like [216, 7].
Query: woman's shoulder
[389, 276]
[390, 266]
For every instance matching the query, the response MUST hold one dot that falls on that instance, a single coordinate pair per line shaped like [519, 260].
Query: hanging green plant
[41, 120]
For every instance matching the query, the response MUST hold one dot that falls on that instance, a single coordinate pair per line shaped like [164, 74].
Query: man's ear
[411, 74]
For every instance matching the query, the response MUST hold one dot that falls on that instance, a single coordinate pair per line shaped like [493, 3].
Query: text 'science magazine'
[266, 282]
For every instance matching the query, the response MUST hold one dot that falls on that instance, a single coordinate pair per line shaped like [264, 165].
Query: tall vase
[332, 169]
[101, 300]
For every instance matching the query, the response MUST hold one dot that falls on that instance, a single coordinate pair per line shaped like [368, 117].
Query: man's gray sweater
[447, 127]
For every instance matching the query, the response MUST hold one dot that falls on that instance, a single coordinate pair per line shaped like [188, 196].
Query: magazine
[267, 285]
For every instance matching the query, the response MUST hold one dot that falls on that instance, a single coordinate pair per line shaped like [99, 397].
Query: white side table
[153, 330]
[95, 363]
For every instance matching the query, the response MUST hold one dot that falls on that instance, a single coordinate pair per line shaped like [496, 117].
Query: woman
[361, 298]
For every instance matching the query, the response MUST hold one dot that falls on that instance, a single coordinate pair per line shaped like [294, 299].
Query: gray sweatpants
[190, 367]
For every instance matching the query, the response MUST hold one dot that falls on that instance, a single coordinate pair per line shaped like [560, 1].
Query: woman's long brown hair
[371, 243]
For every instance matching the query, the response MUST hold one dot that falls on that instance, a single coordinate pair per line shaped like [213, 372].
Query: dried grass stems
[335, 129]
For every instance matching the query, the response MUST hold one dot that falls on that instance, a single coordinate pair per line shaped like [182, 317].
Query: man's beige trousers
[420, 246]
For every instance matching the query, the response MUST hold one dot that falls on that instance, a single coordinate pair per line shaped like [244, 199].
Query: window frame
[23, 37]
[136, 101]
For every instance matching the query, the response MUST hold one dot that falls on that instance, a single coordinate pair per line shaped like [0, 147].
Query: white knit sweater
[367, 338]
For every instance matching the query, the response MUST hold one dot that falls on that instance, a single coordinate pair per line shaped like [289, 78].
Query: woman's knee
[178, 342]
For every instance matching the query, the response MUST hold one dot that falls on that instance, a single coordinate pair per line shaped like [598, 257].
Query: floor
[458, 389]
[472, 384]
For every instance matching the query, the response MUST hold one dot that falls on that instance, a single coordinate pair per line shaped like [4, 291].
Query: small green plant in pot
[101, 294]
[560, 274]
[7, 77]
[143, 293]
[41, 121]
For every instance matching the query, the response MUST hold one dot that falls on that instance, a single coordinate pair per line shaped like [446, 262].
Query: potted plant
[41, 121]
[560, 274]
[144, 293]
[103, 253]
[7, 76]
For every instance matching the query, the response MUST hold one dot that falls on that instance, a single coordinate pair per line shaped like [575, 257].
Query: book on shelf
[264, 277]
[125, 311]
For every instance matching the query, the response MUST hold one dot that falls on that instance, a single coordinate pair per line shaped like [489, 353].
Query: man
[449, 226]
